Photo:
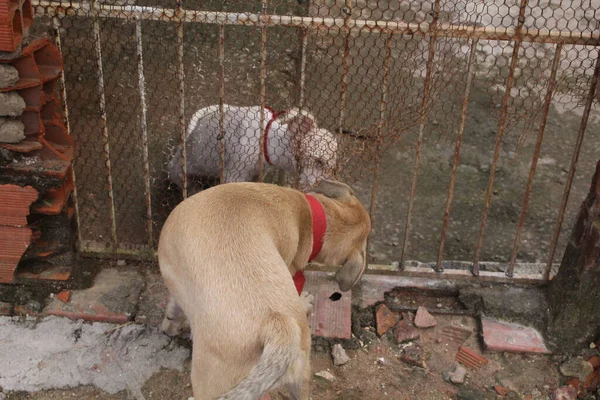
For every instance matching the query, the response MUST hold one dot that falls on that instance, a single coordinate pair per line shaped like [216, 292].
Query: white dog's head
[315, 149]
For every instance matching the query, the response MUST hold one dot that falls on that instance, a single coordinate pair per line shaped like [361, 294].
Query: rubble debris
[64, 296]
[413, 355]
[328, 376]
[576, 367]
[339, 355]
[470, 358]
[386, 319]
[456, 334]
[565, 393]
[457, 375]
[405, 332]
[423, 319]
[501, 390]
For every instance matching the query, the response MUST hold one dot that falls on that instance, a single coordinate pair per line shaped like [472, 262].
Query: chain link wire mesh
[457, 122]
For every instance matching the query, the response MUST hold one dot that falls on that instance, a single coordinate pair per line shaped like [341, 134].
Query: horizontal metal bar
[421, 270]
[57, 8]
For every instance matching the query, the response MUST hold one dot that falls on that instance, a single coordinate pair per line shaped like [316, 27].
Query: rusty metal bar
[104, 127]
[381, 121]
[263, 91]
[56, 24]
[144, 126]
[303, 67]
[501, 128]
[345, 70]
[94, 249]
[536, 154]
[456, 31]
[422, 118]
[222, 103]
[461, 127]
[182, 128]
[575, 159]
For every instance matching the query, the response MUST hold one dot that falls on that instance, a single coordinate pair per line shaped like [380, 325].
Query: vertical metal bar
[144, 126]
[345, 67]
[381, 121]
[575, 159]
[263, 90]
[422, 118]
[181, 77]
[222, 103]
[56, 22]
[104, 127]
[536, 154]
[501, 128]
[461, 128]
[303, 67]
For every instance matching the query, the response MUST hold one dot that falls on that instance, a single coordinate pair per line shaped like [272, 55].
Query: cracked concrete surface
[57, 353]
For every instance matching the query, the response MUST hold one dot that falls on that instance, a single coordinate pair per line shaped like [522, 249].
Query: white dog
[293, 142]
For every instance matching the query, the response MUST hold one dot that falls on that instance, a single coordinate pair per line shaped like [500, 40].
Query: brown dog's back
[241, 268]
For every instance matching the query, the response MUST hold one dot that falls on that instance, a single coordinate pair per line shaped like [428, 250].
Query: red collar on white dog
[319, 225]
[274, 116]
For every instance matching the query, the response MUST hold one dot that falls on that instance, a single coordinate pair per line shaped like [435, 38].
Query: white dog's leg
[175, 321]
[307, 301]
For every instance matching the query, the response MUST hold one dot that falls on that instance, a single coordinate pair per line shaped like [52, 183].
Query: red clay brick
[502, 336]
[112, 298]
[13, 242]
[52, 273]
[386, 319]
[470, 358]
[329, 318]
[14, 204]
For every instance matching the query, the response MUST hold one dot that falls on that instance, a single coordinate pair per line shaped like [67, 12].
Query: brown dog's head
[348, 227]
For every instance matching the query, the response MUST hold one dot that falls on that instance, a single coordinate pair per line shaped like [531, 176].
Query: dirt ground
[376, 371]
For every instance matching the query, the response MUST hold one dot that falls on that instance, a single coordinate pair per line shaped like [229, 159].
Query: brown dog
[228, 255]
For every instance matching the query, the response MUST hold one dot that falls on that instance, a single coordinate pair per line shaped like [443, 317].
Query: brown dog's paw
[307, 301]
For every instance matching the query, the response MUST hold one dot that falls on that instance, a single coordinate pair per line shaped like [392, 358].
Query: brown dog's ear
[351, 271]
[334, 189]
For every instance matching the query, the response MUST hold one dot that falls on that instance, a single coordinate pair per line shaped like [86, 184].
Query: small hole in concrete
[335, 297]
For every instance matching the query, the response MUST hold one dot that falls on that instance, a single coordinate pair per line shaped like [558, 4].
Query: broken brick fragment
[386, 319]
[64, 296]
[470, 358]
[423, 319]
[501, 390]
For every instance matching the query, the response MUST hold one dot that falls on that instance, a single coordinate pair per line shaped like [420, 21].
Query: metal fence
[461, 124]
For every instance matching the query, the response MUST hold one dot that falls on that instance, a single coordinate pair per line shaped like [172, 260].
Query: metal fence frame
[431, 30]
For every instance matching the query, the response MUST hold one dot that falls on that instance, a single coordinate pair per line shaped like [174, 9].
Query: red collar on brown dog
[319, 227]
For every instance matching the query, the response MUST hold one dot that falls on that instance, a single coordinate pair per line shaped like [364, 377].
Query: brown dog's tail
[281, 348]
